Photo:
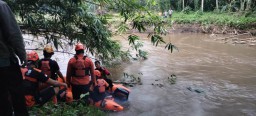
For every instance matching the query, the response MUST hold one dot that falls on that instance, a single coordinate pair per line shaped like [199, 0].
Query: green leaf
[132, 39]
[122, 28]
[156, 39]
[170, 46]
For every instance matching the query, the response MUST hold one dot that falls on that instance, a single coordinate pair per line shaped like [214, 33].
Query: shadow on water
[212, 78]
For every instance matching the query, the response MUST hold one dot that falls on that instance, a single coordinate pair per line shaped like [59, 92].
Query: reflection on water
[225, 73]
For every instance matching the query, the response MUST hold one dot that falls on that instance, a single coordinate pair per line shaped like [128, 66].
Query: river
[224, 75]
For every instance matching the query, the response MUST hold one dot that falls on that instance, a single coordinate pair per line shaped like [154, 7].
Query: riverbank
[226, 28]
[222, 34]
[214, 23]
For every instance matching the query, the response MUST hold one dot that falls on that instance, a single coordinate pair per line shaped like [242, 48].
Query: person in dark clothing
[12, 98]
[104, 73]
[49, 67]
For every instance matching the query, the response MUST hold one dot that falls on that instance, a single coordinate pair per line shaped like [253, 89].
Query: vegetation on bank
[235, 20]
[63, 109]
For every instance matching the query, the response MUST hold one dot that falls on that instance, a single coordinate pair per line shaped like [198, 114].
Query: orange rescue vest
[79, 66]
[30, 100]
[24, 71]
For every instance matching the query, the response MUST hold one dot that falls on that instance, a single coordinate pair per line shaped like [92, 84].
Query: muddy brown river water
[225, 75]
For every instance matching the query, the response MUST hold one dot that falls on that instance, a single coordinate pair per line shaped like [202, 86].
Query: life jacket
[80, 69]
[30, 100]
[26, 72]
[45, 67]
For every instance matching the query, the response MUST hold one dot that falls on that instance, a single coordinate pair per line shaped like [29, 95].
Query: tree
[217, 5]
[183, 4]
[196, 5]
[242, 4]
[70, 21]
[202, 5]
[248, 5]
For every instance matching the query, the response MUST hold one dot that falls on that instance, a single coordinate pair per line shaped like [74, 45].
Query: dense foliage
[208, 5]
[63, 109]
[74, 21]
[65, 20]
[237, 21]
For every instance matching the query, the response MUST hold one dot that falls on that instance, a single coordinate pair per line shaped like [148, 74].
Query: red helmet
[32, 55]
[97, 73]
[79, 46]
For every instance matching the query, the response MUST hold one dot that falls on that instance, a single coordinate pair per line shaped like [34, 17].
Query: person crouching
[32, 76]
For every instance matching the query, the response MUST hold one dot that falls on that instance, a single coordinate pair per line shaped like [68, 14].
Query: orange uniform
[78, 70]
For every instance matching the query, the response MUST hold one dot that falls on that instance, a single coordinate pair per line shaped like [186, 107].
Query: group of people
[27, 80]
[41, 85]
[41, 78]
[169, 12]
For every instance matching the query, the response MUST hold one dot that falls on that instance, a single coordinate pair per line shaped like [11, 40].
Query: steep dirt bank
[211, 29]
[223, 34]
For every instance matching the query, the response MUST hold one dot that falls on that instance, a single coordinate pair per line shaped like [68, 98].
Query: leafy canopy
[72, 21]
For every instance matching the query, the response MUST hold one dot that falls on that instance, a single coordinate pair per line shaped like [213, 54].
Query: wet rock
[189, 88]
[198, 91]
[130, 85]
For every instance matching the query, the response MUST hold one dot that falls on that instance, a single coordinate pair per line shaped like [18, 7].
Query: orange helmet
[79, 46]
[48, 49]
[32, 55]
[97, 73]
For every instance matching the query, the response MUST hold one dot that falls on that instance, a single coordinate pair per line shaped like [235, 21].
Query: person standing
[12, 99]
[165, 14]
[170, 12]
[79, 70]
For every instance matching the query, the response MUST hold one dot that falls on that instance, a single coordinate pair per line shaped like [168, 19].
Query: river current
[213, 79]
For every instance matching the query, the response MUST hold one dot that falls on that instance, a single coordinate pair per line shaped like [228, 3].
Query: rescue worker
[12, 98]
[49, 67]
[32, 77]
[97, 95]
[99, 90]
[104, 73]
[79, 70]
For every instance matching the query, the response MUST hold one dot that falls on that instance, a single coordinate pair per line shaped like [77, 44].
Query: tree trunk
[183, 4]
[217, 5]
[196, 5]
[248, 5]
[242, 3]
[202, 5]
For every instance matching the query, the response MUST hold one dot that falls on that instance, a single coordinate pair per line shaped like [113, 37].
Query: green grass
[220, 19]
[63, 109]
